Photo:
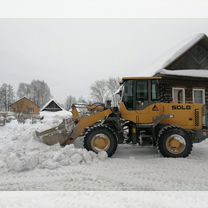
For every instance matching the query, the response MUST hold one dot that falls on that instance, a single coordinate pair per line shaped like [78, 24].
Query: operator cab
[139, 92]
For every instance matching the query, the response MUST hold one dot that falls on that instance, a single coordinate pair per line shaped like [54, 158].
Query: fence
[6, 117]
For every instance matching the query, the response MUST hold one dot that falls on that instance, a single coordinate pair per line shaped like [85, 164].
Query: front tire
[101, 138]
[174, 142]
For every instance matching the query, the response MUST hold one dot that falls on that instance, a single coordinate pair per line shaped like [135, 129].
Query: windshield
[127, 94]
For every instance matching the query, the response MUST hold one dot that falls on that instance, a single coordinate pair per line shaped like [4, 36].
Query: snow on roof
[188, 73]
[52, 100]
[177, 51]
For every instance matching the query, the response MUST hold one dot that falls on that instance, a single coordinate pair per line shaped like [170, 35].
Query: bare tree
[6, 96]
[81, 100]
[112, 86]
[69, 101]
[39, 92]
[103, 90]
[24, 90]
[99, 91]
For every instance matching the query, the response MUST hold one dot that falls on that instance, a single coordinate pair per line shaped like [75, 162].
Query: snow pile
[53, 119]
[21, 150]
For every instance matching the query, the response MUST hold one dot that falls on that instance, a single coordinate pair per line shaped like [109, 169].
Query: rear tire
[174, 142]
[101, 138]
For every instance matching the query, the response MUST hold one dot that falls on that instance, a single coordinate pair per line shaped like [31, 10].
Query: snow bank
[21, 150]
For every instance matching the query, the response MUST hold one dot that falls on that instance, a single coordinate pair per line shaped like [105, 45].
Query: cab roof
[140, 78]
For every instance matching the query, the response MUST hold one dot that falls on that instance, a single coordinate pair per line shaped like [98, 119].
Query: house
[52, 106]
[185, 72]
[26, 106]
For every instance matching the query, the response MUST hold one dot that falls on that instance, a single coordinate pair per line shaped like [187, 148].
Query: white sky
[70, 54]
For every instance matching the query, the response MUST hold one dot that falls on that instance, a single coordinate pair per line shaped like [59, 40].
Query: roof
[139, 78]
[180, 53]
[201, 73]
[23, 99]
[52, 100]
[183, 48]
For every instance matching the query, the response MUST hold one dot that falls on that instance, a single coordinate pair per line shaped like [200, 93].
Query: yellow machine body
[186, 116]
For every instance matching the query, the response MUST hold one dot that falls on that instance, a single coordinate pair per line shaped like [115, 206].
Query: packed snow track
[103, 199]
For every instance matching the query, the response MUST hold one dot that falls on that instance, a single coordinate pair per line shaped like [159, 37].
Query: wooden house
[52, 106]
[185, 73]
[26, 106]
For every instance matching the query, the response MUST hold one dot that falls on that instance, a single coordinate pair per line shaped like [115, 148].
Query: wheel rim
[100, 142]
[175, 144]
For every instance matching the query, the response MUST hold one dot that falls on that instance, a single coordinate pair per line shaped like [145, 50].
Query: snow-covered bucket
[57, 134]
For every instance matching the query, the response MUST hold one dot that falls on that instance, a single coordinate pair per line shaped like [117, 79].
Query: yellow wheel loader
[140, 118]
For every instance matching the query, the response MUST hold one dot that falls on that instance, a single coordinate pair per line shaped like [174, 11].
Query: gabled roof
[190, 59]
[24, 98]
[48, 104]
[181, 49]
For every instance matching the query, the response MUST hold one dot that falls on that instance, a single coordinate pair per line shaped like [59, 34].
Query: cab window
[155, 90]
[141, 90]
[127, 97]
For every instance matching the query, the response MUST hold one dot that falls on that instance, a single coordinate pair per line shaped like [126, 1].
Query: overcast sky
[70, 54]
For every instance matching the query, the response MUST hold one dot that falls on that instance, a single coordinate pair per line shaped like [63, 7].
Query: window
[141, 90]
[127, 97]
[178, 95]
[155, 90]
[198, 96]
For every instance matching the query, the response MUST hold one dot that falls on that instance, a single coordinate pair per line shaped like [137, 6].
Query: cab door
[147, 98]
[141, 94]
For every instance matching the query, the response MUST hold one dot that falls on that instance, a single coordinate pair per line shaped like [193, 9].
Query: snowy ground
[103, 199]
[28, 164]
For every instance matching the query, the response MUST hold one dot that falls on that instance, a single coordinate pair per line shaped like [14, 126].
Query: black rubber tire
[167, 132]
[104, 129]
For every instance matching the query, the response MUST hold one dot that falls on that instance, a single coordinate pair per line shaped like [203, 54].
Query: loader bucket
[58, 134]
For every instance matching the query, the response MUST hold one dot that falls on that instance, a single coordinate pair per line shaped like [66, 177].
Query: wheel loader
[140, 118]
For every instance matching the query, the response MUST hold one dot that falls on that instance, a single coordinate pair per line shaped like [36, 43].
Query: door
[142, 95]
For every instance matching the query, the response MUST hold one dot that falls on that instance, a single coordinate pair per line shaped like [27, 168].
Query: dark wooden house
[52, 106]
[185, 73]
[26, 106]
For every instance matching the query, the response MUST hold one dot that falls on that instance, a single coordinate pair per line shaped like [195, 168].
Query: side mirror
[119, 93]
